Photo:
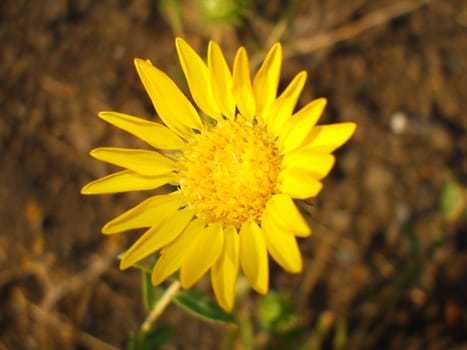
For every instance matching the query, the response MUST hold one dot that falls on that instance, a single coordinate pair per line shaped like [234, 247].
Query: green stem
[160, 306]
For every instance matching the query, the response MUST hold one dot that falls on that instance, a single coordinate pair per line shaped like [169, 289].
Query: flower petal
[174, 109]
[327, 138]
[282, 210]
[175, 253]
[197, 76]
[242, 89]
[266, 79]
[221, 80]
[298, 183]
[124, 181]
[254, 257]
[204, 252]
[282, 246]
[296, 129]
[282, 108]
[224, 272]
[156, 237]
[150, 212]
[320, 164]
[155, 134]
[141, 161]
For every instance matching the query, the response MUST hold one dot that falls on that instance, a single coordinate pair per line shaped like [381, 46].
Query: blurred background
[386, 266]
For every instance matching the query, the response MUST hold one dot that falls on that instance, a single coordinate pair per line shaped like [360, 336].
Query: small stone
[399, 122]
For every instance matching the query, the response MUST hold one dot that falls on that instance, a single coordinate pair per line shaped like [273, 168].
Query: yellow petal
[221, 80]
[175, 253]
[296, 129]
[204, 252]
[298, 183]
[282, 246]
[124, 181]
[170, 103]
[141, 161]
[156, 237]
[320, 164]
[327, 138]
[282, 210]
[150, 212]
[282, 108]
[225, 270]
[242, 89]
[197, 76]
[254, 257]
[266, 79]
[155, 134]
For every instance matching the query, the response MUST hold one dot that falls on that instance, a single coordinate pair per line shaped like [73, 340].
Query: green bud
[222, 11]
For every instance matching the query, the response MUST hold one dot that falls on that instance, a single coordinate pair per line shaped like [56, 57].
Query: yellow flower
[236, 168]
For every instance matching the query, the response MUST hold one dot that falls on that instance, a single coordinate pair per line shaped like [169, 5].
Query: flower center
[228, 172]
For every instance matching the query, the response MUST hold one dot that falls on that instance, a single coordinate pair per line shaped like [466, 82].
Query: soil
[386, 265]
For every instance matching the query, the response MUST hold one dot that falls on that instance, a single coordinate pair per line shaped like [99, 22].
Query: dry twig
[350, 30]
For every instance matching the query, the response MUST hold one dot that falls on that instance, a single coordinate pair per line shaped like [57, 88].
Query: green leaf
[304, 206]
[156, 338]
[276, 313]
[453, 200]
[196, 303]
[145, 267]
[152, 340]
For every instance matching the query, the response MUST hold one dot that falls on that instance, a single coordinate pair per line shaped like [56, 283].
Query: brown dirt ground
[383, 257]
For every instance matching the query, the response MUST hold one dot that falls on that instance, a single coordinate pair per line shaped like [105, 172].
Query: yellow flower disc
[229, 172]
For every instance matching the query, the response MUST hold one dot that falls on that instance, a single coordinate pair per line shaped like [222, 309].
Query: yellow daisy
[236, 164]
